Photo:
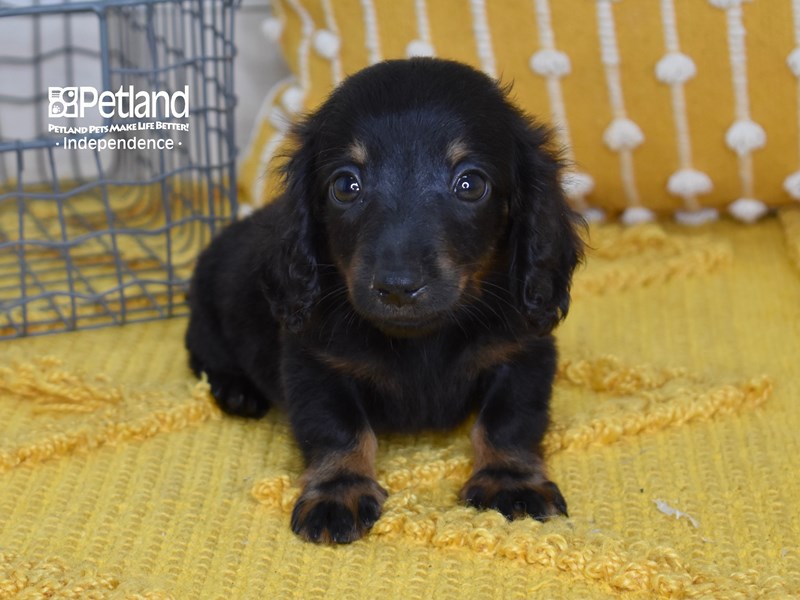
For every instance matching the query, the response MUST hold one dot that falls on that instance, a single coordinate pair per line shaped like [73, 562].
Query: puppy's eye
[471, 187]
[345, 188]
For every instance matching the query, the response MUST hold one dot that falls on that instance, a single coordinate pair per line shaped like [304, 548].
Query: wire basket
[117, 157]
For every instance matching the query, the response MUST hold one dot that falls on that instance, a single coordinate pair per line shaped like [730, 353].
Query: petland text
[116, 127]
[124, 103]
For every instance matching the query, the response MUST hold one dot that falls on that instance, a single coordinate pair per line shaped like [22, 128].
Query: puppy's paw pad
[514, 494]
[235, 395]
[338, 511]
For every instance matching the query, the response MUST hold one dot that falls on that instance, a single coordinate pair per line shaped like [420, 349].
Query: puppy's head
[417, 179]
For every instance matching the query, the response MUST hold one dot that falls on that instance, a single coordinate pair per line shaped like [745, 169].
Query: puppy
[410, 274]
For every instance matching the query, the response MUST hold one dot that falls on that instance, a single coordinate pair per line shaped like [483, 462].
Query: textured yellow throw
[675, 441]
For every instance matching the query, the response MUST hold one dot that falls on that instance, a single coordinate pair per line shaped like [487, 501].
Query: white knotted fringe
[748, 210]
[244, 210]
[689, 182]
[576, 184]
[326, 44]
[695, 218]
[553, 65]
[623, 134]
[272, 28]
[423, 45]
[725, 4]
[675, 68]
[419, 48]
[792, 182]
[792, 185]
[744, 136]
[483, 38]
[303, 48]
[593, 215]
[293, 99]
[635, 215]
[550, 63]
[793, 61]
[371, 37]
[279, 119]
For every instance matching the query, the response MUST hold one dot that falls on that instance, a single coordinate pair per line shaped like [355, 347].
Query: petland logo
[72, 102]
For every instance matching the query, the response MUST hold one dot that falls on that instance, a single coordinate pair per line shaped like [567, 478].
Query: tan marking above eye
[457, 151]
[357, 152]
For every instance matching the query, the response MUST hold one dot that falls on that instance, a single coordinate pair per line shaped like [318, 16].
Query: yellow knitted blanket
[675, 441]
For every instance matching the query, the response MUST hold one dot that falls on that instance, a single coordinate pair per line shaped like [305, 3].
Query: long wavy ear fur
[290, 277]
[545, 243]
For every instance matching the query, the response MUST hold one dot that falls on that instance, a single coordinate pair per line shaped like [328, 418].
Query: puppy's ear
[545, 244]
[289, 275]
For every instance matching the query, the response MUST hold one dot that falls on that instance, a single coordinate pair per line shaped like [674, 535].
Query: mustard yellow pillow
[682, 107]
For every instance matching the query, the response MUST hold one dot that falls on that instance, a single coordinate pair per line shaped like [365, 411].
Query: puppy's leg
[509, 474]
[231, 388]
[236, 395]
[341, 499]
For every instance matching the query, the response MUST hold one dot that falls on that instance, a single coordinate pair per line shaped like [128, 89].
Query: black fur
[406, 307]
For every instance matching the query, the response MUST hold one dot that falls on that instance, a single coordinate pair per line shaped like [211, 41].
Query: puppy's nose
[398, 289]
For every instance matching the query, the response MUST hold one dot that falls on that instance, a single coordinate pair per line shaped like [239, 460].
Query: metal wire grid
[89, 237]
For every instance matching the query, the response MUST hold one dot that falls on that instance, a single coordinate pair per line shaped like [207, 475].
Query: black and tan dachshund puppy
[411, 274]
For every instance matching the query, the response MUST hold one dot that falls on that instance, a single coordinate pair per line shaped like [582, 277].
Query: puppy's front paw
[236, 395]
[339, 510]
[514, 493]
